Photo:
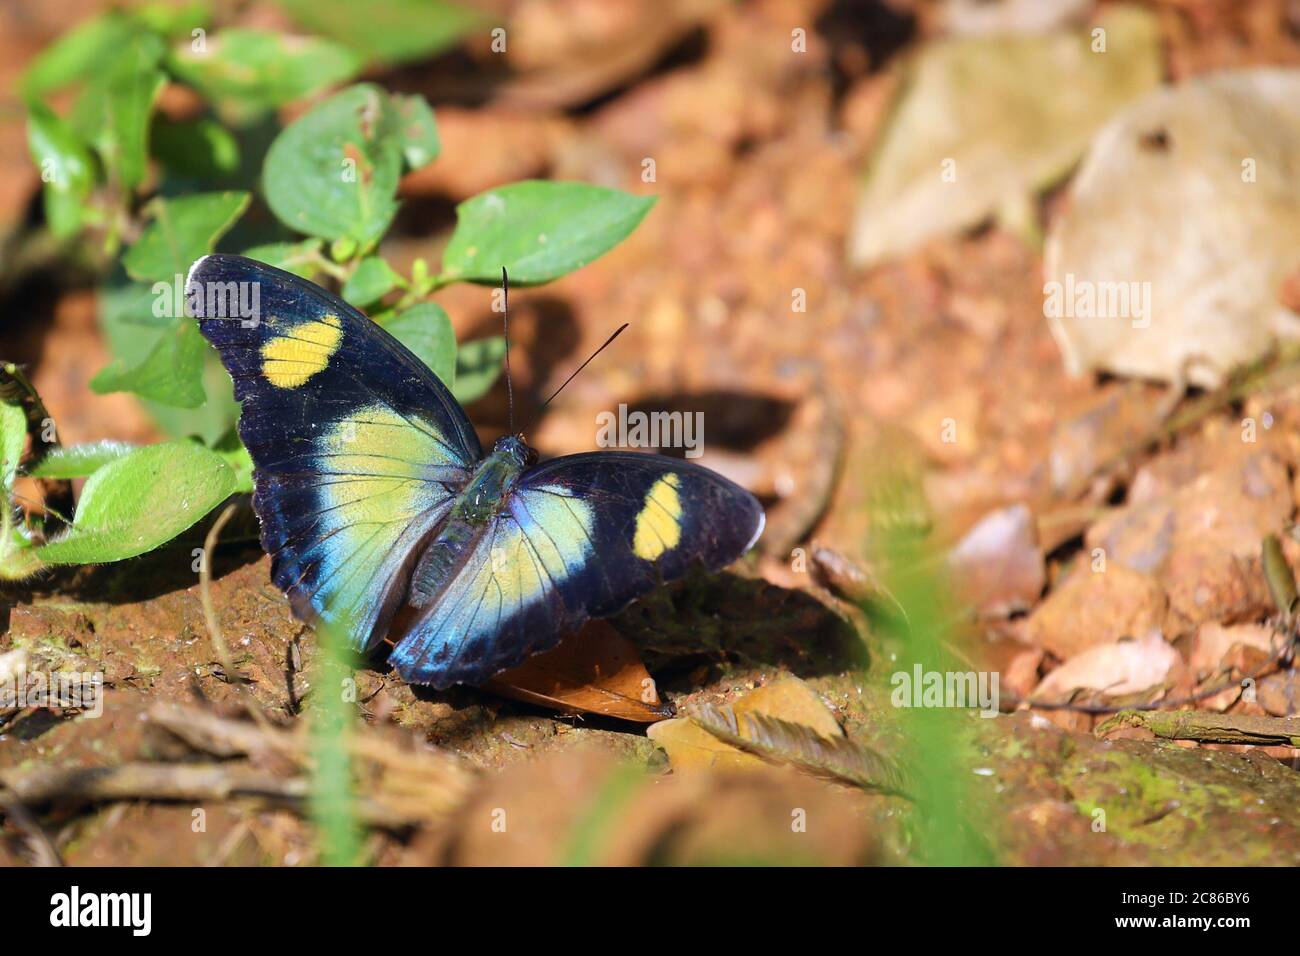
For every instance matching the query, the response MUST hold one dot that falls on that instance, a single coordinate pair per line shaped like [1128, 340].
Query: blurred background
[887, 233]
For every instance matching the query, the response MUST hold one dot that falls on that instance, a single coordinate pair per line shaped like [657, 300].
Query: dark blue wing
[579, 537]
[358, 447]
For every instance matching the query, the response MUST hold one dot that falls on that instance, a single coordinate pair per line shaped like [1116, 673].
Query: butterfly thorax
[492, 480]
[485, 494]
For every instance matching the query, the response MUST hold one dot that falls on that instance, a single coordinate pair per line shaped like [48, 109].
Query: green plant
[152, 193]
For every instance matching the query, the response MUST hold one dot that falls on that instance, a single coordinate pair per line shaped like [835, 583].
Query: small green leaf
[333, 172]
[171, 374]
[88, 48]
[182, 230]
[80, 461]
[388, 31]
[112, 113]
[240, 461]
[260, 69]
[478, 365]
[300, 258]
[426, 330]
[538, 230]
[66, 166]
[343, 249]
[141, 501]
[200, 149]
[133, 303]
[172, 19]
[13, 437]
[372, 279]
[419, 131]
[123, 309]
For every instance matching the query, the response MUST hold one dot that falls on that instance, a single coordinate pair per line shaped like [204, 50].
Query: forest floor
[938, 361]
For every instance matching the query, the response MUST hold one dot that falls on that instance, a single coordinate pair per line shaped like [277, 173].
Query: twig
[1278, 369]
[43, 851]
[174, 782]
[417, 784]
[1208, 727]
[214, 626]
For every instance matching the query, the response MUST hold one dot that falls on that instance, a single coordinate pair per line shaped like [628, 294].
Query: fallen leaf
[1279, 694]
[1214, 161]
[690, 747]
[985, 17]
[983, 123]
[1096, 608]
[596, 670]
[1201, 542]
[1126, 667]
[1214, 643]
[998, 565]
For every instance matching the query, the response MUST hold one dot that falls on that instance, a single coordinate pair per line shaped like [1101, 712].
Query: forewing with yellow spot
[358, 448]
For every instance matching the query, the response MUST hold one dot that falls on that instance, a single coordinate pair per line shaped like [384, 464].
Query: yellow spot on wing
[290, 359]
[658, 526]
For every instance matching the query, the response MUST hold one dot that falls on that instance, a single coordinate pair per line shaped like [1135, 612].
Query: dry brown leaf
[596, 670]
[1127, 667]
[1211, 653]
[1098, 607]
[1213, 160]
[998, 564]
[691, 747]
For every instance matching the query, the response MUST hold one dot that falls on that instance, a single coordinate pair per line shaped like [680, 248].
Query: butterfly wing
[358, 447]
[578, 537]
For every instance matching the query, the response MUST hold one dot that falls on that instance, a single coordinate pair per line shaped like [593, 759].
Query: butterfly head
[518, 449]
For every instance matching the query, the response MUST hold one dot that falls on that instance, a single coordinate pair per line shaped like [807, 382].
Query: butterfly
[375, 497]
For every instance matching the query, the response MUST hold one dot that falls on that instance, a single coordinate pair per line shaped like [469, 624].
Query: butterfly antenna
[588, 362]
[505, 321]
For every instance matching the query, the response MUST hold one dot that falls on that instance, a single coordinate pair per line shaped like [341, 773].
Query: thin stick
[210, 616]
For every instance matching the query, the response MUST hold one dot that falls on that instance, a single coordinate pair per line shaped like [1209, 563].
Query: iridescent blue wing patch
[359, 449]
[579, 537]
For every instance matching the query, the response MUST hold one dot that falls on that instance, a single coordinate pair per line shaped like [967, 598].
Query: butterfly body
[374, 495]
[485, 497]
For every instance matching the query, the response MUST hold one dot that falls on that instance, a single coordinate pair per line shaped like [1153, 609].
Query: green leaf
[13, 437]
[88, 48]
[261, 69]
[372, 279]
[538, 230]
[200, 149]
[171, 373]
[237, 457]
[478, 365]
[426, 330]
[141, 501]
[182, 230]
[419, 131]
[80, 460]
[112, 113]
[333, 172]
[300, 258]
[173, 19]
[132, 303]
[122, 308]
[66, 166]
[388, 31]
